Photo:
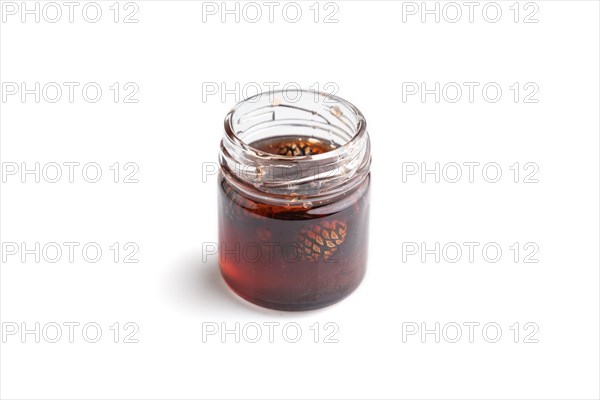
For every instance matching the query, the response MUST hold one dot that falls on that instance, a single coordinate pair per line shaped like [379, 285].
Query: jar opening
[282, 113]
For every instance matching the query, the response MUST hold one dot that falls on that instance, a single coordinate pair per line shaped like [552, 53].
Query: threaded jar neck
[303, 179]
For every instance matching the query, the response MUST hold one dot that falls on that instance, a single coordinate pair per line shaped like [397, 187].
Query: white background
[173, 132]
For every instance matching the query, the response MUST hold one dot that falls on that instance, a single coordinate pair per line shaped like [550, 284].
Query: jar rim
[360, 129]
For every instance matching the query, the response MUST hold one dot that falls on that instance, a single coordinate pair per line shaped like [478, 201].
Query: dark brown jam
[293, 256]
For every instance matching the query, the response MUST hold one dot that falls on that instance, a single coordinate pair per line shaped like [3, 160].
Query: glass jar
[294, 199]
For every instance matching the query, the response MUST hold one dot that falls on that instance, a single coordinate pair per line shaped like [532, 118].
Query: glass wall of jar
[294, 199]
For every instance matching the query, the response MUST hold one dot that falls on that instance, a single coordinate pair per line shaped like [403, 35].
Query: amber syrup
[290, 257]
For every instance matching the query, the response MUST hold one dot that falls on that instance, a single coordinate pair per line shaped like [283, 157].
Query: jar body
[290, 258]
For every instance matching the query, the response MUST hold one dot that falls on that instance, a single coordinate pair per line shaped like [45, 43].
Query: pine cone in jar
[320, 242]
[297, 149]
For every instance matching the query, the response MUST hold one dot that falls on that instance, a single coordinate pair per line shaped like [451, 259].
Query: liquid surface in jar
[294, 146]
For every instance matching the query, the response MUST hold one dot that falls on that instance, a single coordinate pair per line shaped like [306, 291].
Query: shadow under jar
[294, 199]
